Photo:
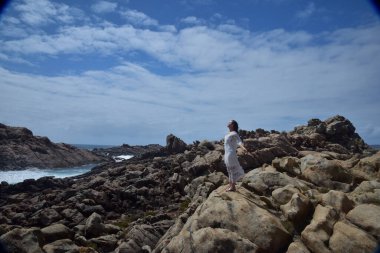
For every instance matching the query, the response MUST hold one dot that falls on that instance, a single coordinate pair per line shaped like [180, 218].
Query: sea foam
[16, 176]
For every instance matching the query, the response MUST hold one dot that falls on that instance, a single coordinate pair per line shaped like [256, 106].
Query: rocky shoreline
[20, 149]
[125, 149]
[314, 189]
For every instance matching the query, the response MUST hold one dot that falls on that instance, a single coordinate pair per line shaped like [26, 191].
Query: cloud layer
[187, 80]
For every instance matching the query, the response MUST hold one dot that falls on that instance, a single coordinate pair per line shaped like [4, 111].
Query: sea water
[16, 176]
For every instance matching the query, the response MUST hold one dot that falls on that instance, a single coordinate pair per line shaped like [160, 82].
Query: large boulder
[367, 192]
[298, 210]
[212, 181]
[368, 168]
[282, 195]
[349, 239]
[72, 215]
[208, 239]
[264, 182]
[45, 217]
[239, 212]
[287, 164]
[317, 234]
[297, 247]
[264, 150]
[56, 232]
[141, 235]
[59, 246]
[94, 226]
[326, 173]
[209, 162]
[105, 243]
[367, 217]
[338, 200]
[23, 240]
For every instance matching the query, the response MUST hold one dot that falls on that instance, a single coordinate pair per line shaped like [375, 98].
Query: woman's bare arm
[242, 146]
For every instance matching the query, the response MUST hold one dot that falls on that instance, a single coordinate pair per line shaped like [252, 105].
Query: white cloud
[233, 29]
[168, 28]
[6, 58]
[261, 79]
[104, 7]
[139, 18]
[192, 20]
[42, 12]
[307, 12]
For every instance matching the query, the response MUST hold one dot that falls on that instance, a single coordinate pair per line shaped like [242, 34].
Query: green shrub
[184, 205]
[125, 222]
[149, 213]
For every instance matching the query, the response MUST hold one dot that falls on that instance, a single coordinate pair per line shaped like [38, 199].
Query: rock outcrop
[336, 134]
[316, 195]
[19, 149]
[126, 149]
[175, 144]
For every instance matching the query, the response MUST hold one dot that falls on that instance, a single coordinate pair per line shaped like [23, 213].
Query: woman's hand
[245, 151]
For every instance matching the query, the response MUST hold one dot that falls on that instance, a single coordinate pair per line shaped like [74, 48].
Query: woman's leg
[229, 178]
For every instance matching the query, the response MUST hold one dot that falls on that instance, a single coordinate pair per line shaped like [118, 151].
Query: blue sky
[113, 72]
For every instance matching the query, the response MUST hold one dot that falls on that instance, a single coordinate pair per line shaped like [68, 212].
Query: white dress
[231, 142]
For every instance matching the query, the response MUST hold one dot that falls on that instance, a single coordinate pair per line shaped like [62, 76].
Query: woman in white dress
[231, 143]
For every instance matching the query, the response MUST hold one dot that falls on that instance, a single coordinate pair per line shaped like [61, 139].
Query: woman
[231, 142]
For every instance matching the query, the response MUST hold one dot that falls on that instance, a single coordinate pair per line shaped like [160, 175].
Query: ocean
[16, 176]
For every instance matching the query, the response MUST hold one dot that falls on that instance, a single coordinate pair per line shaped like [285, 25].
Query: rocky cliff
[19, 149]
[302, 192]
[126, 149]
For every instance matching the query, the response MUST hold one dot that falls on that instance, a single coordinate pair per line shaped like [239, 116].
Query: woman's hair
[235, 125]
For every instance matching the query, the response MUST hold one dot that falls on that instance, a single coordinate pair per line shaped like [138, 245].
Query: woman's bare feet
[231, 189]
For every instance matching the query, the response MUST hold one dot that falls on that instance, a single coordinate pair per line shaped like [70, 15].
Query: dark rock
[22, 240]
[142, 235]
[314, 122]
[125, 149]
[94, 226]
[73, 215]
[20, 149]
[56, 232]
[175, 144]
[45, 217]
[106, 243]
[64, 245]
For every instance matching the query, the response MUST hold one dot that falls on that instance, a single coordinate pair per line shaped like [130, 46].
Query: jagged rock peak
[331, 126]
[9, 132]
[175, 144]
[336, 129]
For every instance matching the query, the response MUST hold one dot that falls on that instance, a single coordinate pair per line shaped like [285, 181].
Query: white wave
[120, 158]
[16, 176]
